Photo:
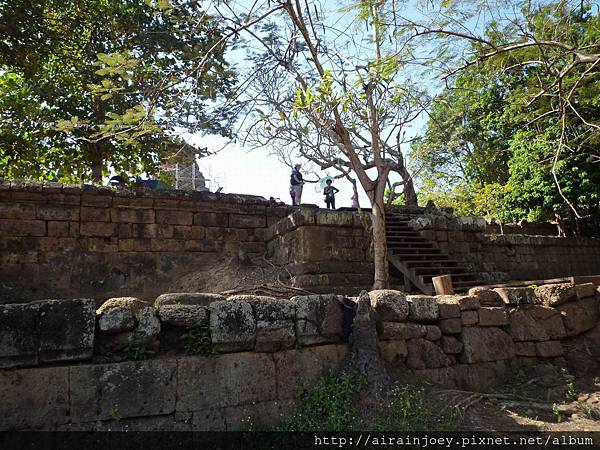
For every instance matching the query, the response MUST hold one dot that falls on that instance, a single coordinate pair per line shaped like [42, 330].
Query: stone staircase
[417, 260]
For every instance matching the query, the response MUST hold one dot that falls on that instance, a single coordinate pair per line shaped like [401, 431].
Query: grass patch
[328, 406]
[410, 408]
[197, 339]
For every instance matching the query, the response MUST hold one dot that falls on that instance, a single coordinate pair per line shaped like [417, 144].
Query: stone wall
[85, 240]
[512, 256]
[66, 366]
[325, 251]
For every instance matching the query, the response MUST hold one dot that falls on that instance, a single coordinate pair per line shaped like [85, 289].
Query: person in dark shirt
[329, 193]
[296, 184]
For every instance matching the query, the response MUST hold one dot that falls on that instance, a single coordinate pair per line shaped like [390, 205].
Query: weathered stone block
[474, 377]
[585, 290]
[171, 217]
[247, 221]
[187, 298]
[34, 398]
[525, 349]
[58, 229]
[389, 305]
[549, 319]
[274, 335]
[18, 335]
[57, 212]
[393, 352]
[263, 415]
[233, 325]
[433, 333]
[208, 219]
[524, 328]
[298, 370]
[17, 210]
[450, 345]
[401, 330]
[66, 330]
[555, 294]
[486, 296]
[422, 308]
[464, 302]
[89, 214]
[337, 218]
[549, 349]
[129, 389]
[99, 229]
[492, 317]
[580, 316]
[319, 318]
[448, 310]
[486, 344]
[516, 295]
[19, 227]
[424, 354]
[183, 315]
[469, 318]
[225, 380]
[450, 326]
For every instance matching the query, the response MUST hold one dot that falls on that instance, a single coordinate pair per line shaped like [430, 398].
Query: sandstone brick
[101, 245]
[128, 389]
[464, 302]
[17, 227]
[555, 294]
[76, 321]
[389, 305]
[205, 245]
[450, 326]
[225, 380]
[524, 328]
[132, 215]
[135, 245]
[247, 221]
[451, 345]
[233, 325]
[422, 308]
[492, 317]
[57, 212]
[425, 354]
[486, 344]
[100, 229]
[167, 245]
[58, 229]
[479, 377]
[525, 349]
[468, 318]
[549, 319]
[17, 210]
[91, 214]
[142, 230]
[549, 349]
[401, 330]
[449, 310]
[211, 219]
[580, 316]
[174, 217]
[182, 232]
[393, 352]
[274, 335]
[34, 398]
[103, 201]
[298, 370]
[18, 338]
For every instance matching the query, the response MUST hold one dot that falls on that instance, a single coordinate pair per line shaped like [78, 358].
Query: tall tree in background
[336, 95]
[519, 122]
[89, 84]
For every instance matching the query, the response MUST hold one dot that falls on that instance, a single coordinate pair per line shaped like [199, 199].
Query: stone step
[444, 270]
[410, 252]
[431, 262]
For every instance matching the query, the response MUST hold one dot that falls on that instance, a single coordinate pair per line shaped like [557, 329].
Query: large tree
[520, 116]
[336, 96]
[89, 84]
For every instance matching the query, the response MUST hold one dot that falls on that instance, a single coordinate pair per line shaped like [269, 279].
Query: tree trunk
[410, 195]
[382, 274]
[97, 163]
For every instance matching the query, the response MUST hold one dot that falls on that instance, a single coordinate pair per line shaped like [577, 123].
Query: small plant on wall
[197, 339]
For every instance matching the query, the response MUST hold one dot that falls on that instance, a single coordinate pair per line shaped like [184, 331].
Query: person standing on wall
[296, 183]
[329, 192]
